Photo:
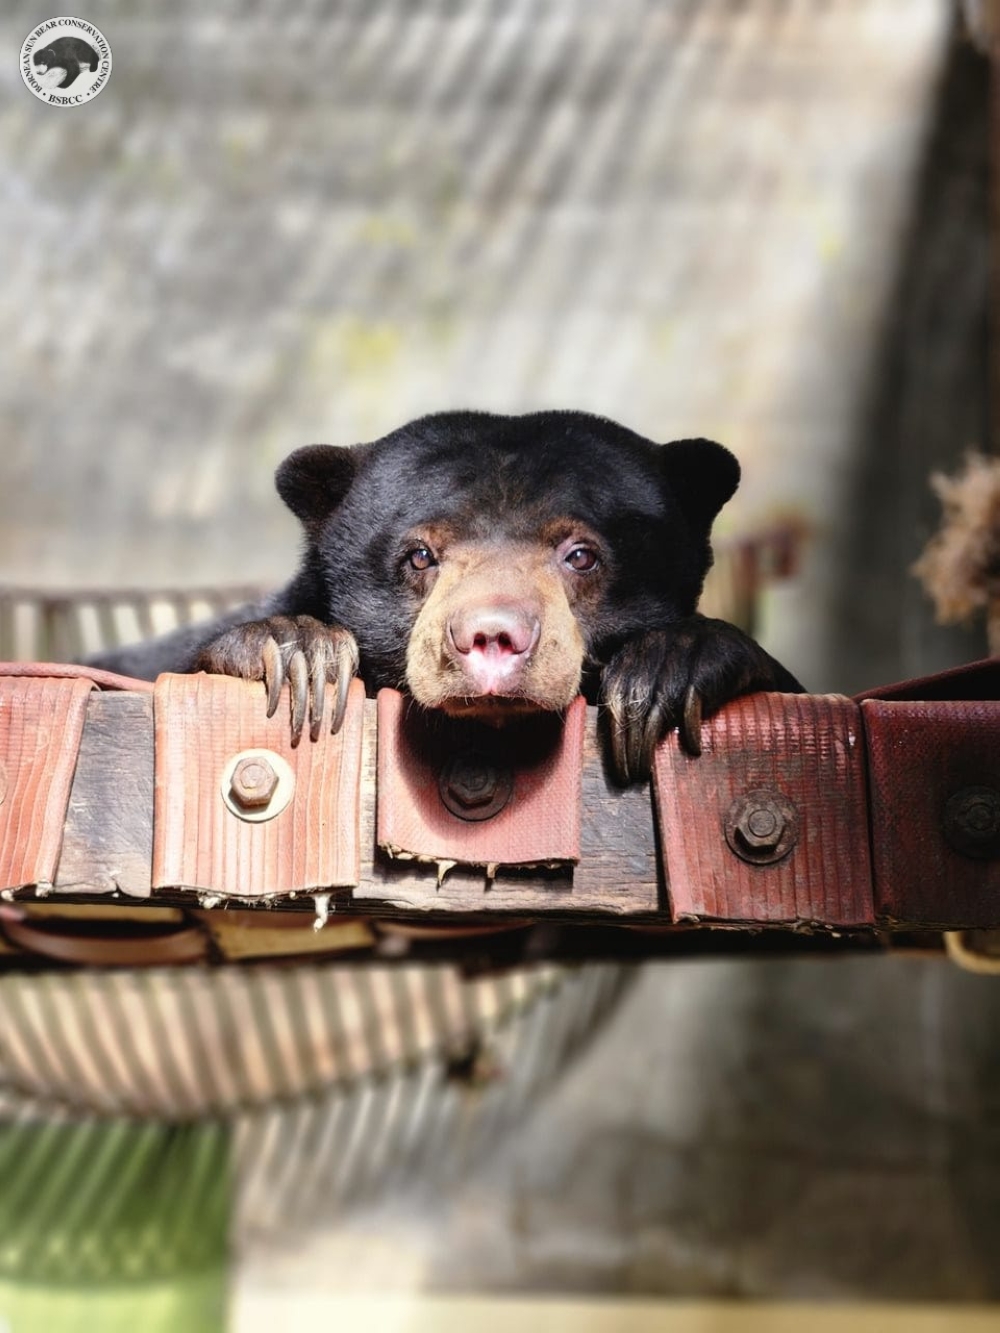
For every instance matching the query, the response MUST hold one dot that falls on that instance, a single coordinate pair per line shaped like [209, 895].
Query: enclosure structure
[833, 819]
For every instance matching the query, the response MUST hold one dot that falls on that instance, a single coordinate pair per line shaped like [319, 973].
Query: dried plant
[960, 566]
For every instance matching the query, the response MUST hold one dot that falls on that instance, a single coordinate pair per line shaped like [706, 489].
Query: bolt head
[972, 822]
[980, 817]
[473, 787]
[253, 784]
[762, 826]
[472, 781]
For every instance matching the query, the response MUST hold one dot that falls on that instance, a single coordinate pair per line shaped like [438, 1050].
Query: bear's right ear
[313, 481]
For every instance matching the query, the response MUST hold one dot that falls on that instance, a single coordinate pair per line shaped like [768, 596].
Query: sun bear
[70, 54]
[493, 566]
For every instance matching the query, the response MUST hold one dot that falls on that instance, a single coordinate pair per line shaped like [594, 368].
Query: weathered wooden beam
[108, 838]
[806, 818]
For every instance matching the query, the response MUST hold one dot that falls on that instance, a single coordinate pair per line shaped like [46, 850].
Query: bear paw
[299, 649]
[672, 677]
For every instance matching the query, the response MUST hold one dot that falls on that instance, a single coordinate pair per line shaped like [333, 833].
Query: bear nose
[493, 642]
[494, 629]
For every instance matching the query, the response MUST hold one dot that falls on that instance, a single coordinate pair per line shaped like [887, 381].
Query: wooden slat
[108, 841]
[109, 833]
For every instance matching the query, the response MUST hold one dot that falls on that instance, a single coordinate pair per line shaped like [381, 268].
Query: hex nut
[256, 785]
[253, 784]
[473, 787]
[472, 781]
[762, 826]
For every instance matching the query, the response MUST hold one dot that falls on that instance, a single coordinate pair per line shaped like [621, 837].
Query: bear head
[490, 565]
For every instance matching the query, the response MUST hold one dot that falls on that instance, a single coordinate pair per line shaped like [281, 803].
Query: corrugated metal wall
[289, 222]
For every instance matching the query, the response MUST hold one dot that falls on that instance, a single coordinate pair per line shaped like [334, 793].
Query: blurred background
[764, 221]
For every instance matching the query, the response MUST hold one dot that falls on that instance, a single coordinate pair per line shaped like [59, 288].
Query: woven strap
[794, 759]
[105, 680]
[201, 724]
[531, 772]
[98, 943]
[934, 767]
[41, 722]
[975, 681]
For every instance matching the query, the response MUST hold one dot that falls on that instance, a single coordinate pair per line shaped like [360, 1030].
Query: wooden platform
[812, 821]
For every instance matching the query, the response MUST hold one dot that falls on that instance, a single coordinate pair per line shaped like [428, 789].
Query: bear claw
[690, 723]
[298, 649]
[672, 678]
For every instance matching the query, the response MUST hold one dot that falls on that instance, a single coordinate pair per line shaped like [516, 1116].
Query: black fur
[502, 478]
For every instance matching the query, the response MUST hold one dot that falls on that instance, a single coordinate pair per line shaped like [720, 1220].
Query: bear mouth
[495, 709]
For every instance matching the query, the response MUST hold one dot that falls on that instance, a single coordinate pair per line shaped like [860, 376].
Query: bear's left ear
[701, 476]
[313, 481]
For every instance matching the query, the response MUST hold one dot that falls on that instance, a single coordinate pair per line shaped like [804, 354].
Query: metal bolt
[762, 826]
[472, 781]
[253, 783]
[257, 785]
[972, 821]
[473, 787]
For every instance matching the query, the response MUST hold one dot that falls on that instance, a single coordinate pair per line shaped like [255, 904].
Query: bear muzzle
[495, 637]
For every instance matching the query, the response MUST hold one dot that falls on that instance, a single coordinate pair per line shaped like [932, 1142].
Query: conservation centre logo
[65, 61]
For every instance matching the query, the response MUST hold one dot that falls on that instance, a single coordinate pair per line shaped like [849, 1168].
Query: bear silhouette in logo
[70, 54]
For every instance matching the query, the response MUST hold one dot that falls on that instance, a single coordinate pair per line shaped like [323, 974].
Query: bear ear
[701, 476]
[313, 481]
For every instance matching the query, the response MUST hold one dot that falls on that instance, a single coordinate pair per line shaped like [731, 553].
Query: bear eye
[582, 559]
[420, 558]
